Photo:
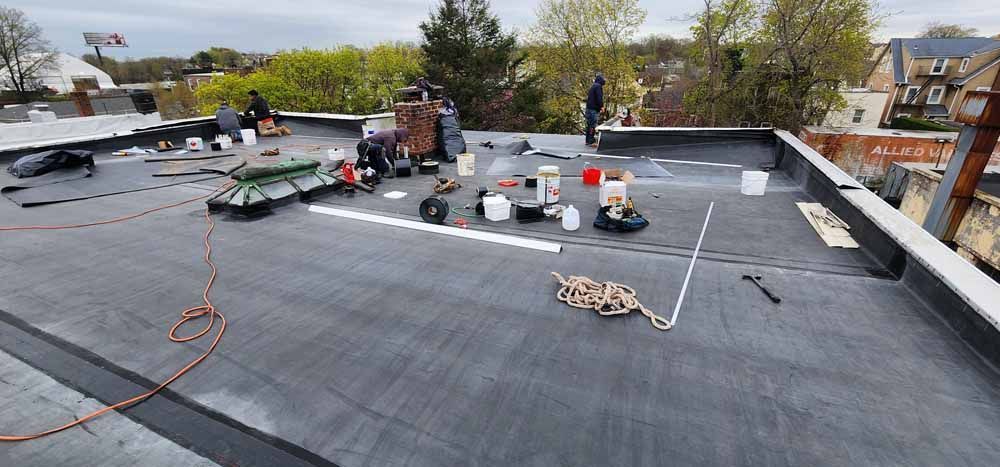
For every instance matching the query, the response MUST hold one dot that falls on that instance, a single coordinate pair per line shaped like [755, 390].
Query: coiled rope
[607, 298]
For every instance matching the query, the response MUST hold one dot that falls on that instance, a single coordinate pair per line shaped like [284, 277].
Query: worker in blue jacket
[595, 106]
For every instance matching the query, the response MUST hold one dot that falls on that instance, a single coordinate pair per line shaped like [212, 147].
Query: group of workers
[230, 124]
[380, 149]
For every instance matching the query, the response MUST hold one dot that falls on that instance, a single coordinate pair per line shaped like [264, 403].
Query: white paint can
[548, 184]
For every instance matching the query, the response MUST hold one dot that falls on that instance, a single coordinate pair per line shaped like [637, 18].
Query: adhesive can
[547, 191]
[466, 164]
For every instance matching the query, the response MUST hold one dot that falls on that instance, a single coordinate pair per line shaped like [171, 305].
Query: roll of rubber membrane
[429, 167]
[402, 167]
[434, 210]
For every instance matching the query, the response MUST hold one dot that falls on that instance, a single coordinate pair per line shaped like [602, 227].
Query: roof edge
[973, 286]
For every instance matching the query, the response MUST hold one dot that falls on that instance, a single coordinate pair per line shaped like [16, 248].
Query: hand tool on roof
[446, 185]
[350, 181]
[756, 280]
[258, 188]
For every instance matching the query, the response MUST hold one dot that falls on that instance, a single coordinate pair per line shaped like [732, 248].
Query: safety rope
[206, 309]
[607, 298]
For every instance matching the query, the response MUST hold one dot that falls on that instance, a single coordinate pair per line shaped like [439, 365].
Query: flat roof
[352, 343]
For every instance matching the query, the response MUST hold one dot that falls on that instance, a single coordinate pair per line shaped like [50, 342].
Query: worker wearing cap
[595, 105]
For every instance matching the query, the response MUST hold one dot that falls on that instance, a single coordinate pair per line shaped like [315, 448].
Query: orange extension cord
[187, 315]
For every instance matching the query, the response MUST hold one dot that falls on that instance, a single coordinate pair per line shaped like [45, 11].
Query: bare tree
[24, 53]
[937, 29]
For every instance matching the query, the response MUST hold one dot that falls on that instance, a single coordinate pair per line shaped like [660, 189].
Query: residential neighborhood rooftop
[355, 343]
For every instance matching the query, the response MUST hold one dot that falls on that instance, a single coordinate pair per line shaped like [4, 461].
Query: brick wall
[421, 119]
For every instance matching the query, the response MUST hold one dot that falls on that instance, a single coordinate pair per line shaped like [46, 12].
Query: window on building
[911, 94]
[859, 114]
[886, 64]
[982, 88]
[934, 97]
[964, 65]
[939, 66]
[885, 88]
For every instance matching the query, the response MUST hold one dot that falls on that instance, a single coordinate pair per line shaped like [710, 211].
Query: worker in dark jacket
[262, 112]
[379, 149]
[229, 121]
[595, 105]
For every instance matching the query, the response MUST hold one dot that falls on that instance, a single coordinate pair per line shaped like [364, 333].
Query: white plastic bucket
[336, 154]
[195, 144]
[497, 208]
[249, 137]
[754, 182]
[466, 164]
[225, 141]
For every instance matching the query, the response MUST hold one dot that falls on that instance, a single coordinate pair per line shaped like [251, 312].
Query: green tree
[177, 102]
[937, 29]
[469, 54]
[326, 80]
[225, 57]
[390, 66]
[781, 63]
[202, 59]
[574, 39]
[143, 70]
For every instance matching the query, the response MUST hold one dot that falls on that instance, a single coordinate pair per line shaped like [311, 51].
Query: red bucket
[591, 176]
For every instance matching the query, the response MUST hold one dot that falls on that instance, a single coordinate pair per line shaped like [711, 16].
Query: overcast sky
[181, 27]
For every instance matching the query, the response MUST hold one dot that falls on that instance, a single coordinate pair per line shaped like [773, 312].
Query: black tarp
[47, 161]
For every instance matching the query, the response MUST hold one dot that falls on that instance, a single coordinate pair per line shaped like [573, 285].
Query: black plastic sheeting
[528, 165]
[105, 179]
[47, 161]
[450, 139]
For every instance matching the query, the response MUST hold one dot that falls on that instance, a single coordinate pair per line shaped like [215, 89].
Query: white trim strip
[663, 160]
[441, 229]
[697, 163]
[694, 257]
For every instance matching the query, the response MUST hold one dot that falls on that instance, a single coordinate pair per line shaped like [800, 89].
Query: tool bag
[625, 224]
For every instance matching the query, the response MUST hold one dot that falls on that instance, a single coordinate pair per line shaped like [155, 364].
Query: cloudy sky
[180, 27]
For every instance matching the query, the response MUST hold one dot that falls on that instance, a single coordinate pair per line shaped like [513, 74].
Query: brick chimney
[421, 119]
[82, 102]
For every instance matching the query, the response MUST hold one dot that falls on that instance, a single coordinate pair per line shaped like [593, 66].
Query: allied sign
[104, 39]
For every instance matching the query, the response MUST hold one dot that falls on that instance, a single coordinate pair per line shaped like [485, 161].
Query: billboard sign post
[104, 39]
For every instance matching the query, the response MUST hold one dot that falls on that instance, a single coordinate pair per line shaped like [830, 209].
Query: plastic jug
[571, 218]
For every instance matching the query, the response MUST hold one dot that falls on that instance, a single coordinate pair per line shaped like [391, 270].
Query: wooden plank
[830, 228]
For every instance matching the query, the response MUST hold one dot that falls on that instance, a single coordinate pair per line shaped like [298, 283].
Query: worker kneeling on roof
[379, 149]
[262, 112]
[229, 121]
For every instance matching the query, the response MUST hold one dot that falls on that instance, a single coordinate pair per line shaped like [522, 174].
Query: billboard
[104, 39]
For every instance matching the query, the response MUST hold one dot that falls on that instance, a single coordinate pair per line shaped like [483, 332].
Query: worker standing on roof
[229, 121]
[262, 112]
[379, 149]
[595, 106]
